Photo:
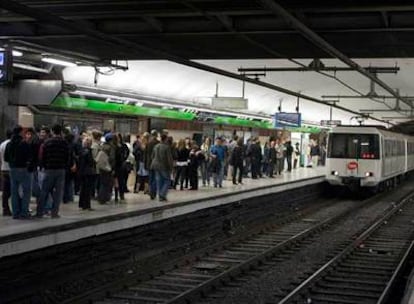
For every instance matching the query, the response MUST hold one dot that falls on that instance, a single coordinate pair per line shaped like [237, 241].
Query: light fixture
[30, 68]
[58, 62]
[17, 53]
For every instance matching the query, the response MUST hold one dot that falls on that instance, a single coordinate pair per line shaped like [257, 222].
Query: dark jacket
[55, 153]
[162, 158]
[256, 152]
[19, 154]
[86, 162]
[237, 156]
[148, 153]
[183, 155]
[272, 155]
[195, 158]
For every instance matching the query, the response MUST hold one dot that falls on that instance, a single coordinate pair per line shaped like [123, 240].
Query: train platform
[20, 236]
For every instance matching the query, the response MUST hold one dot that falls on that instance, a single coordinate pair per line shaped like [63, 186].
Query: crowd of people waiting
[51, 165]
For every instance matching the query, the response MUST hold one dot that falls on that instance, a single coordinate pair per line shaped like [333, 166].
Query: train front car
[354, 157]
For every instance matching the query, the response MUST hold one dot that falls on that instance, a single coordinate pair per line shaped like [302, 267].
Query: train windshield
[358, 146]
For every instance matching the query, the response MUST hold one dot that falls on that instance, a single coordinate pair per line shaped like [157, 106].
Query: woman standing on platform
[237, 160]
[196, 158]
[87, 171]
[182, 164]
[205, 173]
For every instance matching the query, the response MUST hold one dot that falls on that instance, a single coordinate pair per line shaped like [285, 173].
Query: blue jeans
[152, 183]
[218, 177]
[163, 183]
[53, 183]
[20, 177]
[69, 190]
[41, 177]
[205, 172]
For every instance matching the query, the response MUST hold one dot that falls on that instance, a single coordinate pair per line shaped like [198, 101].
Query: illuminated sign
[5, 67]
[283, 119]
[330, 123]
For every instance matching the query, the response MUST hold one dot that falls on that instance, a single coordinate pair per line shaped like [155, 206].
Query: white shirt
[4, 165]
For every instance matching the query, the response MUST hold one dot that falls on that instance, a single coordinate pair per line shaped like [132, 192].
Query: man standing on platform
[218, 154]
[162, 165]
[54, 157]
[19, 155]
[147, 162]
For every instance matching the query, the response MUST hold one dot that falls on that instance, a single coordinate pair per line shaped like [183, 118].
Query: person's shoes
[152, 196]
[55, 216]
[122, 201]
[220, 186]
[25, 217]
[38, 215]
[234, 183]
[163, 199]
[7, 213]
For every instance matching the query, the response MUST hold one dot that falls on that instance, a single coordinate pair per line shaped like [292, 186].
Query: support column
[8, 114]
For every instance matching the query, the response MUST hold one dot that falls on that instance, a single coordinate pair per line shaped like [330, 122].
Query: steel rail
[322, 270]
[203, 287]
[248, 263]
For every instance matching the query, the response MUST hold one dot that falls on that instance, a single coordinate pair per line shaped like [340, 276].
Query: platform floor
[18, 236]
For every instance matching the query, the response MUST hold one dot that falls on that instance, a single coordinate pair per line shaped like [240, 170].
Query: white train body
[367, 156]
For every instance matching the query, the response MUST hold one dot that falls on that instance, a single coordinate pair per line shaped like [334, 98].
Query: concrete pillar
[8, 114]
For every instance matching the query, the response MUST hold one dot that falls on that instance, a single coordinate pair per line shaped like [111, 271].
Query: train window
[364, 146]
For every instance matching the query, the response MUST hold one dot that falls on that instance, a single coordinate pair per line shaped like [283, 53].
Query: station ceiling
[187, 30]
[214, 29]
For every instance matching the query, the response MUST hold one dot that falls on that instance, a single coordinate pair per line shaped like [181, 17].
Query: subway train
[368, 157]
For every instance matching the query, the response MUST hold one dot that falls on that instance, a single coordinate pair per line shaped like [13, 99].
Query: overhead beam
[383, 110]
[371, 69]
[133, 47]
[365, 96]
[45, 35]
[320, 42]
[155, 23]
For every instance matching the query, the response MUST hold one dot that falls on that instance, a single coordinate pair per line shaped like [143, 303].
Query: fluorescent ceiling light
[30, 68]
[14, 52]
[58, 62]
[17, 53]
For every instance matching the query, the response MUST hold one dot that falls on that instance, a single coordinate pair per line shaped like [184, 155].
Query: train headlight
[368, 174]
[336, 173]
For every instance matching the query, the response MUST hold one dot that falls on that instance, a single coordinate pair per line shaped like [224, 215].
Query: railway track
[366, 270]
[186, 283]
